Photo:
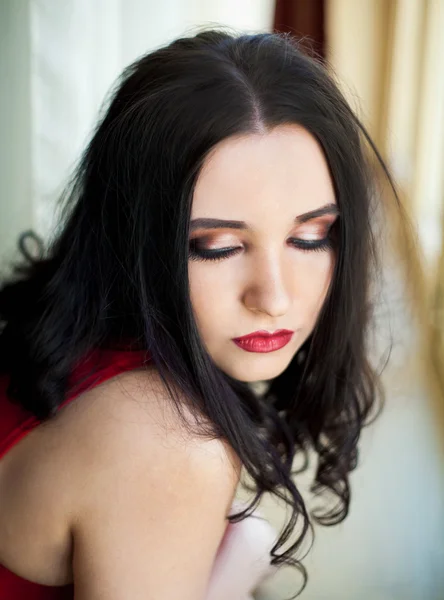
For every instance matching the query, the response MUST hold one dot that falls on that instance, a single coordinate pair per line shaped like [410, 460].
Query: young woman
[216, 234]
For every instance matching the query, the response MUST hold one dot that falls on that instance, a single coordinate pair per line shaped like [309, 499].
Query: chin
[252, 375]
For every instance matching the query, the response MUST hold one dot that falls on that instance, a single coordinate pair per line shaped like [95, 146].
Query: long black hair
[117, 270]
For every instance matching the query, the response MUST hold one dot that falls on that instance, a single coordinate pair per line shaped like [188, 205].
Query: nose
[268, 286]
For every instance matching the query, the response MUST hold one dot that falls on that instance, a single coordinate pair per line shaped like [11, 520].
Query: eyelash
[215, 255]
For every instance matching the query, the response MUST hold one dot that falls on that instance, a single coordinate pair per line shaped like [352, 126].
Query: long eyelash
[213, 255]
[216, 255]
[312, 246]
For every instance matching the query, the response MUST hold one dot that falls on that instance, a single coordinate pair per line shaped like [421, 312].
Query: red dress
[15, 423]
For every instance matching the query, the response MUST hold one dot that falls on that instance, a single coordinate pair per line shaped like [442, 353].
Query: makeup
[262, 341]
[313, 234]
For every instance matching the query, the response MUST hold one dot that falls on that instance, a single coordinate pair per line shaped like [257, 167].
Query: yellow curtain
[389, 56]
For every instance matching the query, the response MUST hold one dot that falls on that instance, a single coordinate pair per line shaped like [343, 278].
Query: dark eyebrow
[328, 209]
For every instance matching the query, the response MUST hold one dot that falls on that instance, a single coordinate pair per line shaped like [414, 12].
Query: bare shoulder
[132, 414]
[149, 499]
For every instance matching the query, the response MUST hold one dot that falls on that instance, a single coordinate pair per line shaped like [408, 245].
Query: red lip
[262, 341]
[264, 334]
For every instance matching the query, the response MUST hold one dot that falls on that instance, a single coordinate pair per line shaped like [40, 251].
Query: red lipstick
[262, 341]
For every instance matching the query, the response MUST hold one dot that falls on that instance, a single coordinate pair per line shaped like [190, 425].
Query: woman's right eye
[197, 253]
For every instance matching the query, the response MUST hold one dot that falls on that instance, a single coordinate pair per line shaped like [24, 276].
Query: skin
[266, 179]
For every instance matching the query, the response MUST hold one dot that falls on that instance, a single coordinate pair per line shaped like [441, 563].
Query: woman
[216, 234]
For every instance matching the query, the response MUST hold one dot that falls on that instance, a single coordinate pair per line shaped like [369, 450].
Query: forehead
[283, 171]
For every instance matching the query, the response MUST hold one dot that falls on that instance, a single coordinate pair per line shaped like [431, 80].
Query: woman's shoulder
[145, 490]
[133, 402]
[131, 417]
[117, 447]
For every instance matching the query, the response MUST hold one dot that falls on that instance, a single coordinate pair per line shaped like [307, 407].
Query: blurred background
[59, 60]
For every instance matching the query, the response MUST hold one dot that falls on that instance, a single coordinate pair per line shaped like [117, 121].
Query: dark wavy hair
[117, 269]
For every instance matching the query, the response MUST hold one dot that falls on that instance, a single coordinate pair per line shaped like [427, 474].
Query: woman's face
[275, 192]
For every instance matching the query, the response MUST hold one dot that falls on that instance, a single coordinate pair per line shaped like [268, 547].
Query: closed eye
[201, 254]
[312, 245]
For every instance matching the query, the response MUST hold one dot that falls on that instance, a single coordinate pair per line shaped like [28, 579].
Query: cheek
[207, 289]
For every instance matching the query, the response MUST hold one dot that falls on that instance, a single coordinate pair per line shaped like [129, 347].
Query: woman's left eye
[196, 253]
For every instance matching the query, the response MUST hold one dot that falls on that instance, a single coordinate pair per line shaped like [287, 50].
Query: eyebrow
[328, 209]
